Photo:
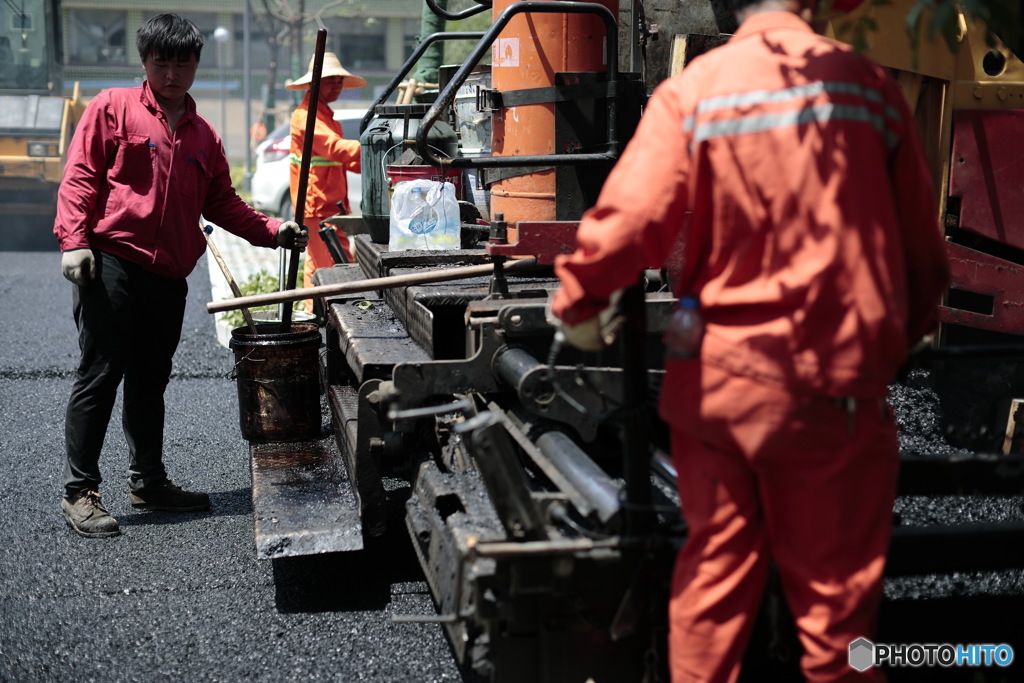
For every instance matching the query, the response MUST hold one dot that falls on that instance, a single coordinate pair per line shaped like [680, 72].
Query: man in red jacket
[814, 248]
[142, 167]
[332, 156]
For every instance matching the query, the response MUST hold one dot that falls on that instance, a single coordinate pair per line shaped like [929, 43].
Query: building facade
[371, 37]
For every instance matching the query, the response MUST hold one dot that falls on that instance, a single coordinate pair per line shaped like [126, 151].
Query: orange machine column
[528, 54]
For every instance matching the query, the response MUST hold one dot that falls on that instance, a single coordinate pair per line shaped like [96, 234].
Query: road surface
[176, 597]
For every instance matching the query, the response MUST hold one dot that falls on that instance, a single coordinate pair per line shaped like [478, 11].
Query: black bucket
[278, 380]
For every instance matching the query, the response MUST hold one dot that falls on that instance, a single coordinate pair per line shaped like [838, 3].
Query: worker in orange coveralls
[815, 250]
[332, 156]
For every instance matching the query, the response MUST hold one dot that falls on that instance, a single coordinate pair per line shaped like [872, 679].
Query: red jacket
[332, 156]
[814, 243]
[133, 189]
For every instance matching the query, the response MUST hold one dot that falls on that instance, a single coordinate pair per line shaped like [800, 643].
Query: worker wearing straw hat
[332, 156]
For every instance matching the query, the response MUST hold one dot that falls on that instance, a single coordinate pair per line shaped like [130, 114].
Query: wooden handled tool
[208, 233]
[307, 153]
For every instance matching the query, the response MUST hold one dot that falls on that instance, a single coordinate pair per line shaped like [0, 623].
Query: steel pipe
[583, 473]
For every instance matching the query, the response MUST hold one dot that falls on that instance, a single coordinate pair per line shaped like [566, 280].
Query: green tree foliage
[456, 51]
[931, 20]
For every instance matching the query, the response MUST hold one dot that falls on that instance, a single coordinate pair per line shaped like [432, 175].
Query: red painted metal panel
[987, 173]
[987, 275]
[543, 239]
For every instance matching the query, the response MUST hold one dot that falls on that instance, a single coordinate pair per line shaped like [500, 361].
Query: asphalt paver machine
[538, 494]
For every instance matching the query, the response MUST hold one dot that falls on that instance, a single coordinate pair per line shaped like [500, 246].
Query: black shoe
[85, 514]
[167, 496]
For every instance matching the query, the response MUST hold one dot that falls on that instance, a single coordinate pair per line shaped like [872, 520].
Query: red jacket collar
[147, 98]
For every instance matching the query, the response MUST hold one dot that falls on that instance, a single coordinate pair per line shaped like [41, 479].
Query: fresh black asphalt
[176, 597]
[183, 597]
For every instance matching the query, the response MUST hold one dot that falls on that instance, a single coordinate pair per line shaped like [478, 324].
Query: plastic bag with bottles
[424, 215]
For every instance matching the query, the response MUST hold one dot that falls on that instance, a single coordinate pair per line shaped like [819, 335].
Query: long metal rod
[307, 154]
[592, 482]
[521, 161]
[247, 90]
[447, 96]
[370, 285]
[546, 548]
[424, 618]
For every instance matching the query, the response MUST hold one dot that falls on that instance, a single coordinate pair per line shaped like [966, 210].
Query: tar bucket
[278, 382]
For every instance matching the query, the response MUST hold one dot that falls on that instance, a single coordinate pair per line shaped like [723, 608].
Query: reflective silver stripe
[747, 99]
[818, 113]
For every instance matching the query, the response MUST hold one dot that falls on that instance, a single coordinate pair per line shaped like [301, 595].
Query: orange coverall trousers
[317, 254]
[766, 475]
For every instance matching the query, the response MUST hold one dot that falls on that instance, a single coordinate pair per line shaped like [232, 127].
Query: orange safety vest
[332, 156]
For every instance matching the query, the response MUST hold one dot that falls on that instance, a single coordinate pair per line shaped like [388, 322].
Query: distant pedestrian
[142, 167]
[789, 171]
[332, 157]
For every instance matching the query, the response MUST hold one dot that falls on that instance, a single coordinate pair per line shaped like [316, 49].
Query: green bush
[238, 182]
[258, 283]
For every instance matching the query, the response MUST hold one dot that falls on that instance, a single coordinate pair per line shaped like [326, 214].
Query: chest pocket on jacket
[192, 180]
[133, 163]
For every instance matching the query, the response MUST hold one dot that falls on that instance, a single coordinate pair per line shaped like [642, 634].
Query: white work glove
[593, 334]
[291, 236]
[78, 266]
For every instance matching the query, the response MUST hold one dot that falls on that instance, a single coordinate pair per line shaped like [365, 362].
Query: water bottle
[685, 330]
[422, 218]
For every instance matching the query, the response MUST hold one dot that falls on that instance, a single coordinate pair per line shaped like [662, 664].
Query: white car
[270, 179]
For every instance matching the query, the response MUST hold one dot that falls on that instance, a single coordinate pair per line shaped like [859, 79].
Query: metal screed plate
[302, 500]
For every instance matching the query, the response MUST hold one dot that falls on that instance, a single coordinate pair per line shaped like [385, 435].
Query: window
[359, 43]
[23, 22]
[411, 29]
[97, 37]
[207, 23]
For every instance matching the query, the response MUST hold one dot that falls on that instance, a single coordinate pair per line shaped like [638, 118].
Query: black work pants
[129, 324]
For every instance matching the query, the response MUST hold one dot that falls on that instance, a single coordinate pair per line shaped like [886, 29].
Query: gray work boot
[85, 513]
[167, 496]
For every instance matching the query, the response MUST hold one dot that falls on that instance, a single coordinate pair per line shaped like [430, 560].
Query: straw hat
[332, 67]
